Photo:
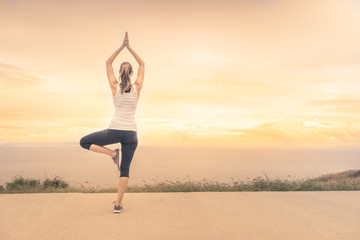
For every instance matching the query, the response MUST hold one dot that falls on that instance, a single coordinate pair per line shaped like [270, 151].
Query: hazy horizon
[159, 163]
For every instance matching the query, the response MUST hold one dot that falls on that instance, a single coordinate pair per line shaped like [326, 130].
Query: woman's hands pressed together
[126, 41]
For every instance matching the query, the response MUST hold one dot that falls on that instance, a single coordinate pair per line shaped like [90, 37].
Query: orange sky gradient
[218, 73]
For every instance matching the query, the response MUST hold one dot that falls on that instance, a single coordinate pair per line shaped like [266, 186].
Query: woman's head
[126, 73]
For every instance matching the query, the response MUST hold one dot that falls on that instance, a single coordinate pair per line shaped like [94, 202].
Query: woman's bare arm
[109, 69]
[141, 72]
[138, 59]
[114, 55]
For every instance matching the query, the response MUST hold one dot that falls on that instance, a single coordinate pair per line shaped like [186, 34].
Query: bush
[20, 184]
[55, 183]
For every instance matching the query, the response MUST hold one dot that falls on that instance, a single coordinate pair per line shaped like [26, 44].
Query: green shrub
[26, 185]
[20, 183]
[55, 183]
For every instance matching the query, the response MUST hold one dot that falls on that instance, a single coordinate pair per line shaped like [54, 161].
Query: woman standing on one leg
[123, 127]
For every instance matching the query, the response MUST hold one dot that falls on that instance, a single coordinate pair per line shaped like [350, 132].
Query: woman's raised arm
[138, 59]
[141, 72]
[109, 69]
[114, 55]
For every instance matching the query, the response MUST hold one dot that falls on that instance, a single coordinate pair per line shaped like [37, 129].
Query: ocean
[153, 164]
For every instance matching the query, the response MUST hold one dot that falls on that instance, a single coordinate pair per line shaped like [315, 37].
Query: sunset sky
[230, 73]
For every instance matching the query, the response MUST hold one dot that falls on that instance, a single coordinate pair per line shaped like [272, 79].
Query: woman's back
[125, 108]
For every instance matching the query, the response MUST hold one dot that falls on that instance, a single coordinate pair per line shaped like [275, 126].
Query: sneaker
[116, 158]
[120, 204]
[118, 208]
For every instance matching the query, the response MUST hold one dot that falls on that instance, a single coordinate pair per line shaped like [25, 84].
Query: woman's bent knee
[84, 144]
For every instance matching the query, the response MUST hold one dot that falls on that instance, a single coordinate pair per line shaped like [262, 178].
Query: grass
[343, 181]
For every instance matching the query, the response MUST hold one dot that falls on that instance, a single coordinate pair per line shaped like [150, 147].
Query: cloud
[295, 130]
[277, 132]
[12, 76]
[345, 105]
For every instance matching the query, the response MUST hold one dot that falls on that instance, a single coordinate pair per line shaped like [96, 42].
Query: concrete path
[171, 216]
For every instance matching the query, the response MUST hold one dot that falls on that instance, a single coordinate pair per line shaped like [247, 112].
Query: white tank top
[125, 108]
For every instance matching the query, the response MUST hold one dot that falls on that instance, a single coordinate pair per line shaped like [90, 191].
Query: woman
[123, 127]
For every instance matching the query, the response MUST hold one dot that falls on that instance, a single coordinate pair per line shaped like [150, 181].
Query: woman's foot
[116, 203]
[116, 158]
[118, 208]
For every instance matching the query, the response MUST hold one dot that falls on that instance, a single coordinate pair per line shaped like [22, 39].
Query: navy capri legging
[127, 138]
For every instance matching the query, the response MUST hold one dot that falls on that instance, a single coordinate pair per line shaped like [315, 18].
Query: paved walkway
[171, 216]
